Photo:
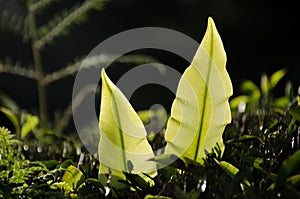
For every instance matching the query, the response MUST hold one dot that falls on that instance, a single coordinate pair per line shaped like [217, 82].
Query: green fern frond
[68, 70]
[137, 59]
[66, 21]
[38, 6]
[7, 142]
[73, 68]
[18, 70]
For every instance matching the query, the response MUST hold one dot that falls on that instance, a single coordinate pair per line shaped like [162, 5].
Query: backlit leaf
[123, 144]
[29, 125]
[73, 177]
[276, 77]
[201, 110]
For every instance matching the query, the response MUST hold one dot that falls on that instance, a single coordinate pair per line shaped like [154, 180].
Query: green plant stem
[38, 68]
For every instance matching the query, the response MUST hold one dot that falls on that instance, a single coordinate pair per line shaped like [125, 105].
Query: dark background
[259, 36]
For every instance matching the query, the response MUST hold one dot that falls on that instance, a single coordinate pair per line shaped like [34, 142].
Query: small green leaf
[276, 77]
[228, 168]
[73, 177]
[257, 164]
[29, 125]
[264, 84]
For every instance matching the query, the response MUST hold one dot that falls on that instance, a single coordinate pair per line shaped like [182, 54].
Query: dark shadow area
[259, 36]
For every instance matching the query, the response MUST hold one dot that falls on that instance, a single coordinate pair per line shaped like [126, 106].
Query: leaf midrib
[119, 126]
[205, 95]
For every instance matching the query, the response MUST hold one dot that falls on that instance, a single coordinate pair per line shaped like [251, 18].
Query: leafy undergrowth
[261, 157]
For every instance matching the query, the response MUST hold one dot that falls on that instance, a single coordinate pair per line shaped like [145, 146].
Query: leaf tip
[211, 23]
[106, 80]
[103, 73]
[210, 20]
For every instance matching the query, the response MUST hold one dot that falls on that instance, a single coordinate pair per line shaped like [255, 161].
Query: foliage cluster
[261, 159]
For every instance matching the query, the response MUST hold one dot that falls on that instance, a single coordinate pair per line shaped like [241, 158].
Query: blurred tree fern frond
[34, 21]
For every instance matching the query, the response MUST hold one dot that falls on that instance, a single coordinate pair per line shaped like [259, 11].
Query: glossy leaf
[73, 177]
[123, 144]
[201, 110]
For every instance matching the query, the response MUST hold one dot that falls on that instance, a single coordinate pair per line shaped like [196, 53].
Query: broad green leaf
[29, 125]
[276, 77]
[201, 110]
[123, 144]
[73, 177]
